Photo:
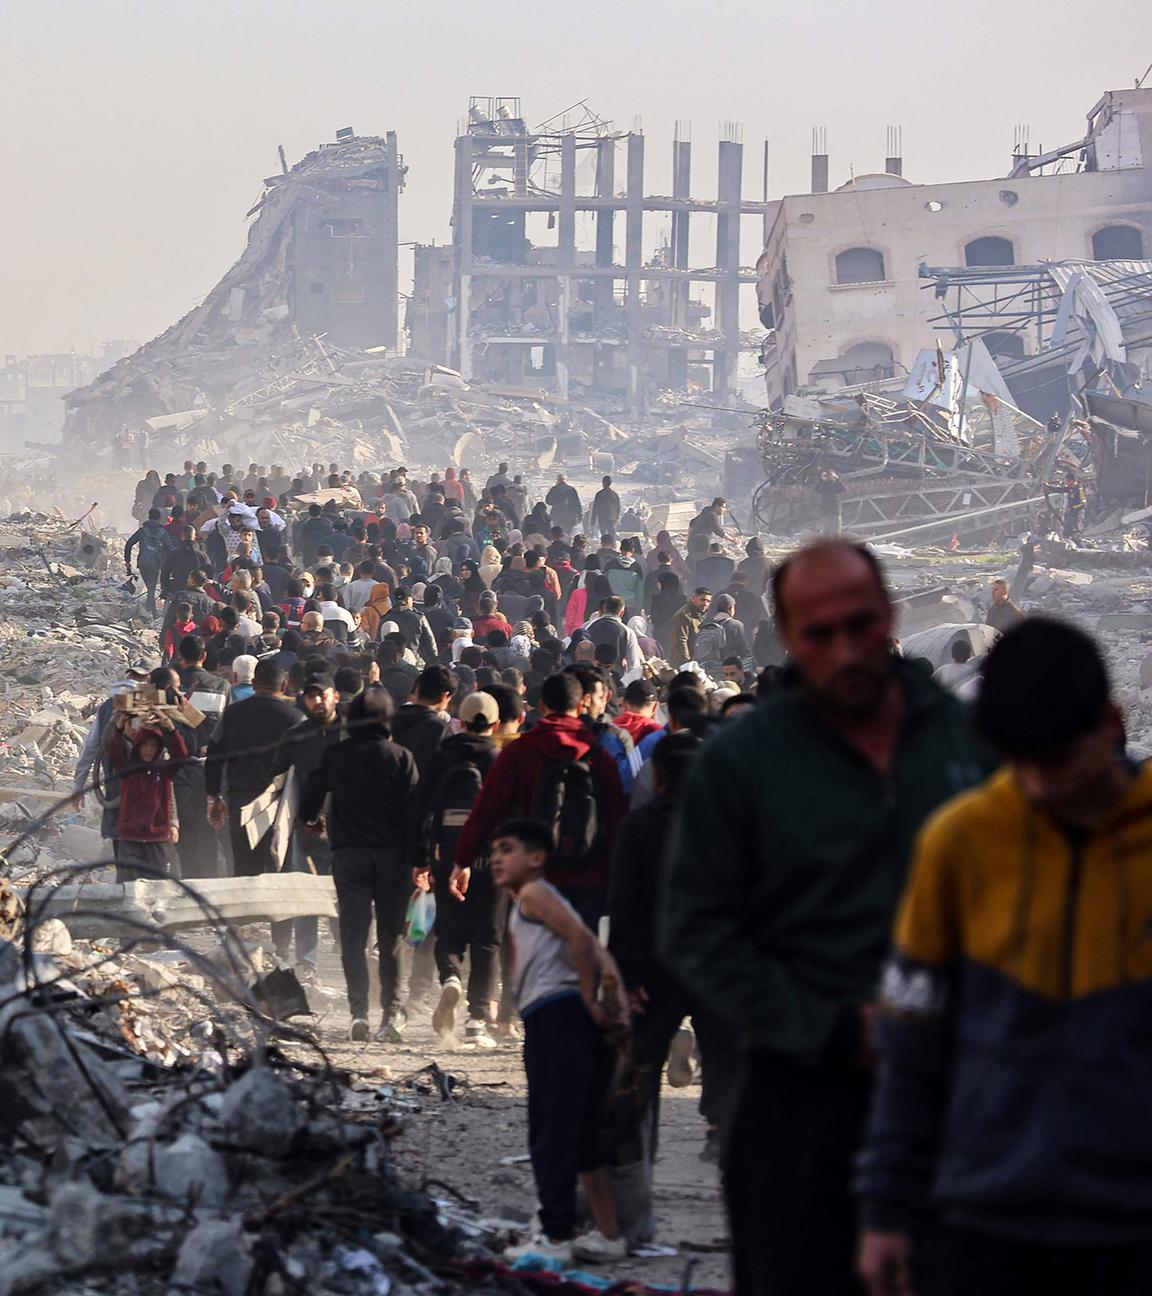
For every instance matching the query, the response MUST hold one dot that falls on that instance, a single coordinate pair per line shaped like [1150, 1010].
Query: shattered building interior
[533, 306]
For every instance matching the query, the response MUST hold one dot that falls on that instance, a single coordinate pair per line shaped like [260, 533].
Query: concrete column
[605, 227]
[391, 337]
[728, 192]
[462, 239]
[680, 292]
[633, 256]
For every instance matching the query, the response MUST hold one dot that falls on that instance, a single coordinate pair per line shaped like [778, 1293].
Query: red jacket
[510, 790]
[147, 800]
[638, 726]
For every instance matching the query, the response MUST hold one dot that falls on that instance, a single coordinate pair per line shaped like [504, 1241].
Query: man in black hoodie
[301, 750]
[372, 785]
[413, 625]
[239, 764]
[422, 724]
[467, 915]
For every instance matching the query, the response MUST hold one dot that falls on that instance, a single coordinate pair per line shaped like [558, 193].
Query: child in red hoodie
[182, 625]
[147, 765]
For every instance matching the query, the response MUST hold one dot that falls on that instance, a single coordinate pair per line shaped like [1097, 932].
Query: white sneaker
[444, 1017]
[360, 1030]
[680, 1070]
[595, 1248]
[543, 1248]
[477, 1033]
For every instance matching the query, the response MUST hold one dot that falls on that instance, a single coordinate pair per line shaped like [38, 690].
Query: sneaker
[360, 1030]
[595, 1248]
[477, 1033]
[392, 1032]
[541, 1248]
[444, 1018]
[680, 1071]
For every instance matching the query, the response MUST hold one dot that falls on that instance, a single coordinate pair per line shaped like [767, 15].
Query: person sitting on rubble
[147, 763]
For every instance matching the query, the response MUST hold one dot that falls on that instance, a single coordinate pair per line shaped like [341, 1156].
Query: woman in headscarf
[451, 591]
[452, 488]
[648, 646]
[664, 543]
[375, 610]
[522, 642]
[490, 564]
[472, 585]
[538, 523]
[591, 587]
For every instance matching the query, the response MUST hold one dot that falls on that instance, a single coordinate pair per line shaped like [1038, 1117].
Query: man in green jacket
[786, 867]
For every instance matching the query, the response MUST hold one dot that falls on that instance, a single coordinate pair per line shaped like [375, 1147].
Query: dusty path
[465, 1142]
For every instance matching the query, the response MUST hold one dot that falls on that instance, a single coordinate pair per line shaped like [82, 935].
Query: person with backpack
[720, 637]
[152, 544]
[555, 772]
[468, 919]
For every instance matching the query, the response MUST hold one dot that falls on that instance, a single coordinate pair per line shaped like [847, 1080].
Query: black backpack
[153, 548]
[566, 802]
[455, 798]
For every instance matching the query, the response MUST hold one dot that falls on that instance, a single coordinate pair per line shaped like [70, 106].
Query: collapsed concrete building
[534, 292]
[319, 273]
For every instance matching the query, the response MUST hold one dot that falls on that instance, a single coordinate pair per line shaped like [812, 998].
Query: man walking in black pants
[372, 784]
[468, 910]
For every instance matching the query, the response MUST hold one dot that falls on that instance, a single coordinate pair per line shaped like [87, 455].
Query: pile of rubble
[161, 1131]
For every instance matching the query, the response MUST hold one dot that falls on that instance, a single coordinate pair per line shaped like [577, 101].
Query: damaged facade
[319, 270]
[557, 281]
[840, 280]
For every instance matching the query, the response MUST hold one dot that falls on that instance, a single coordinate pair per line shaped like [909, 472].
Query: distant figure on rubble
[829, 491]
[605, 511]
[1003, 615]
[1075, 504]
[564, 504]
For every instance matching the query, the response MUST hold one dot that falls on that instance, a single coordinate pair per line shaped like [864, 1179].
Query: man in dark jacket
[188, 556]
[793, 843]
[301, 749]
[372, 785]
[151, 543]
[239, 766]
[396, 675]
[422, 724]
[311, 534]
[412, 625]
[605, 511]
[1015, 1055]
[468, 919]
[564, 504]
[513, 786]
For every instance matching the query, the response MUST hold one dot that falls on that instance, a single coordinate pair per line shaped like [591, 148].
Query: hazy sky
[134, 133]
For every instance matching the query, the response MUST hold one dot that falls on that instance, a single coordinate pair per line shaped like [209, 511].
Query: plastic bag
[420, 918]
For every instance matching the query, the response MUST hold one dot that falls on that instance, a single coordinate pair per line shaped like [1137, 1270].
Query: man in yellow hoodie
[1015, 1023]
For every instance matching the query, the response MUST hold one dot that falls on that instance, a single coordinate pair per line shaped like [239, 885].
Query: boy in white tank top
[568, 989]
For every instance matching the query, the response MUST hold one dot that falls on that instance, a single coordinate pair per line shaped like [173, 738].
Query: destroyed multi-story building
[841, 278]
[33, 389]
[319, 272]
[541, 296]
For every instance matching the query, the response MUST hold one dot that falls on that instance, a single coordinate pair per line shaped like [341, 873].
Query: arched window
[1118, 243]
[1008, 346]
[989, 251]
[860, 265]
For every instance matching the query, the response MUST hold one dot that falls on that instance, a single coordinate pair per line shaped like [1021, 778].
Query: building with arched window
[842, 269]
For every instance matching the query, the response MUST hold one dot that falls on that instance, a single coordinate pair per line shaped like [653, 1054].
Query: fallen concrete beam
[99, 908]
[1124, 621]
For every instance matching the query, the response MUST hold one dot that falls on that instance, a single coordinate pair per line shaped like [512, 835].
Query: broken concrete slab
[1124, 621]
[99, 908]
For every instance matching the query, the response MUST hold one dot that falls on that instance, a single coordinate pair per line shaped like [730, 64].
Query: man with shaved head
[788, 860]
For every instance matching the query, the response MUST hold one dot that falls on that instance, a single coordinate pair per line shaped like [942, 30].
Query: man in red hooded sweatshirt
[147, 768]
[518, 785]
